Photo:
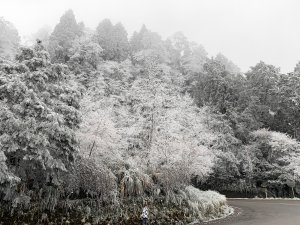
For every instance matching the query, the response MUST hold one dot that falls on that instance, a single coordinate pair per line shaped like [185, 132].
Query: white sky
[245, 31]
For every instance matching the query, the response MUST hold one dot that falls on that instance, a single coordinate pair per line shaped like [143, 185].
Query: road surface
[262, 212]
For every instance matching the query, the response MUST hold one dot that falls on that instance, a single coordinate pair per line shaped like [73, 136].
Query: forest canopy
[97, 120]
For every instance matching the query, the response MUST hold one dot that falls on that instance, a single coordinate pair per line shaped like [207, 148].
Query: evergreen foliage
[63, 36]
[113, 40]
[108, 124]
[39, 114]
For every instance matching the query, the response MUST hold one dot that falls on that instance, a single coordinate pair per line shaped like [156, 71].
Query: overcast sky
[246, 31]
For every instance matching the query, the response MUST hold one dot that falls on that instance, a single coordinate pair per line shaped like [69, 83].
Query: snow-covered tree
[166, 132]
[113, 40]
[275, 157]
[194, 60]
[104, 115]
[85, 54]
[62, 37]
[146, 42]
[39, 114]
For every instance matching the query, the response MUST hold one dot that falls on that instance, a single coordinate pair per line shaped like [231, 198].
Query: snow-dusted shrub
[172, 178]
[91, 178]
[133, 183]
[204, 205]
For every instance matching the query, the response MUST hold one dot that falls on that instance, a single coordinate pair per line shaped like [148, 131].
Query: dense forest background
[96, 122]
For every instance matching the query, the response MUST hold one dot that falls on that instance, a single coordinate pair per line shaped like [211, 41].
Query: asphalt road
[263, 212]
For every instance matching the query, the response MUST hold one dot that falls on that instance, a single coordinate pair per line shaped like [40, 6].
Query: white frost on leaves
[139, 115]
[206, 205]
